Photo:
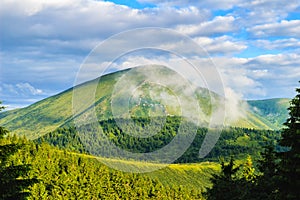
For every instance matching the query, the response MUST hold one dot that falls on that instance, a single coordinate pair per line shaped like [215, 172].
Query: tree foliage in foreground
[280, 171]
[13, 181]
[66, 175]
[233, 182]
[289, 166]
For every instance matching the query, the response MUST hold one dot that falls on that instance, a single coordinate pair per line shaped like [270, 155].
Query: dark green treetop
[289, 166]
[13, 185]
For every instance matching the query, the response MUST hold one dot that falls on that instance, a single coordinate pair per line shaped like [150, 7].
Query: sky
[255, 45]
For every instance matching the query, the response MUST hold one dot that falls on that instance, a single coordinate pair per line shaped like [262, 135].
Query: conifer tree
[289, 166]
[12, 184]
[225, 184]
[266, 184]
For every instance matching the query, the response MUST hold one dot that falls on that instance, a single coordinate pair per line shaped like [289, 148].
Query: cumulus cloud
[26, 88]
[39, 68]
[287, 28]
[86, 19]
[260, 12]
[252, 12]
[221, 45]
[259, 73]
[237, 77]
[218, 25]
[55, 36]
[22, 89]
[261, 76]
[20, 94]
[44, 42]
[278, 44]
[274, 61]
[208, 4]
[280, 73]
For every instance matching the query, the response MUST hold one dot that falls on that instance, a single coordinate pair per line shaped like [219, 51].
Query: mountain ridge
[53, 112]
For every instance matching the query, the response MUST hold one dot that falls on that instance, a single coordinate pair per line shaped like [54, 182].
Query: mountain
[56, 111]
[272, 111]
[265, 114]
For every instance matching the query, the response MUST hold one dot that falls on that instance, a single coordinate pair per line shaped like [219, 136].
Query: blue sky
[254, 44]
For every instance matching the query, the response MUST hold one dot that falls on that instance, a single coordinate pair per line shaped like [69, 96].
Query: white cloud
[235, 108]
[276, 73]
[223, 44]
[249, 12]
[208, 4]
[259, 73]
[238, 79]
[278, 44]
[259, 12]
[261, 76]
[8, 88]
[285, 28]
[21, 89]
[39, 68]
[87, 18]
[272, 61]
[43, 42]
[26, 88]
[218, 25]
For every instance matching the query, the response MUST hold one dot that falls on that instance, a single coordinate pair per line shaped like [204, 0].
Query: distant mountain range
[56, 111]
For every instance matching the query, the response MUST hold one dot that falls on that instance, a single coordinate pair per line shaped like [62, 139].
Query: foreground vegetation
[65, 175]
[279, 171]
[37, 170]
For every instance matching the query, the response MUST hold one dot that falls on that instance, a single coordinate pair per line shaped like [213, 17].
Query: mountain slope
[273, 111]
[56, 111]
[50, 113]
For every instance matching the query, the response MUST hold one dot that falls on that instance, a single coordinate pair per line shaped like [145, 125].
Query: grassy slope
[271, 111]
[53, 112]
[254, 121]
[192, 175]
[48, 114]
[44, 116]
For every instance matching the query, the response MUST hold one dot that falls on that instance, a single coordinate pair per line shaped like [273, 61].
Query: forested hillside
[239, 142]
[66, 175]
